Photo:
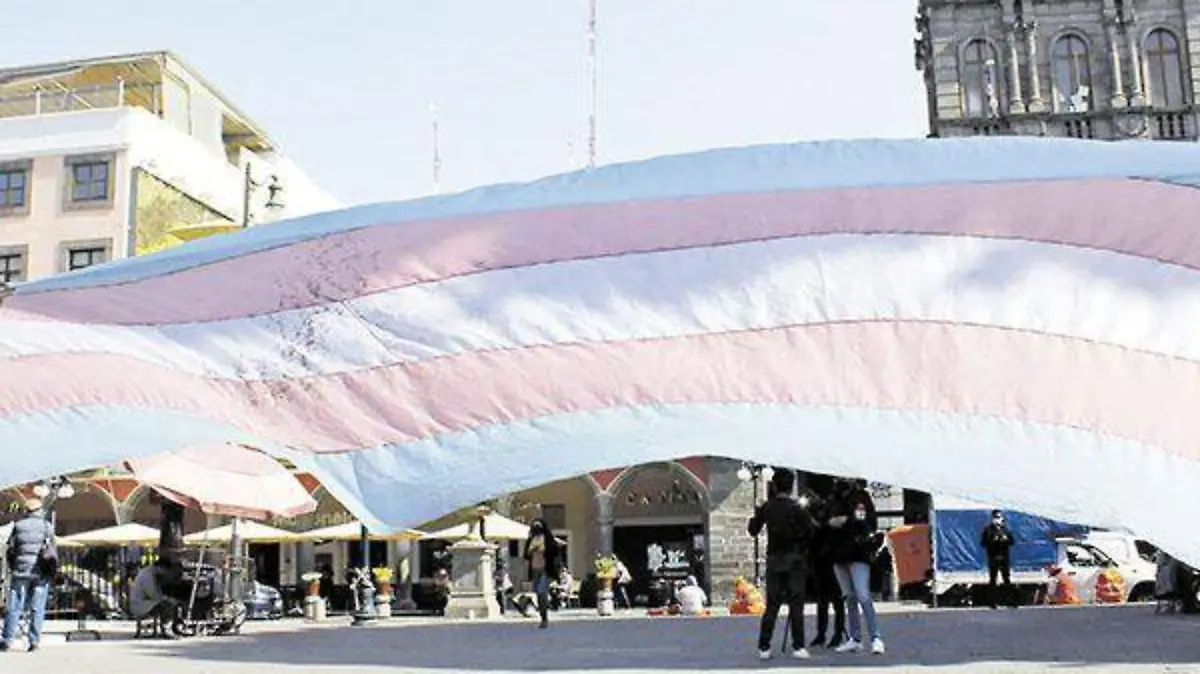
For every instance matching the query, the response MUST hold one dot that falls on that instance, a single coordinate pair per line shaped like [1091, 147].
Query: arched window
[1164, 69]
[981, 95]
[1072, 74]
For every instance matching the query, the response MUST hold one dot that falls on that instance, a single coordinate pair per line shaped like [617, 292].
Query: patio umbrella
[225, 480]
[495, 527]
[352, 531]
[247, 532]
[122, 534]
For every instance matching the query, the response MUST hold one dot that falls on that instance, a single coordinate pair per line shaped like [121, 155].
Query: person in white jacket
[692, 598]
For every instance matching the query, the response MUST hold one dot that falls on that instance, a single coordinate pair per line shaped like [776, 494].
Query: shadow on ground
[943, 638]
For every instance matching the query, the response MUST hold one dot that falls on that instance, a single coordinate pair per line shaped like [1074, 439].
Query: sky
[345, 87]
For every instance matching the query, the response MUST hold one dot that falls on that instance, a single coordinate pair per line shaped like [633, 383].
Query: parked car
[1135, 558]
[263, 602]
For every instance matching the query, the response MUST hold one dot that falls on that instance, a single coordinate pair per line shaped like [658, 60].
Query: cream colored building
[109, 157]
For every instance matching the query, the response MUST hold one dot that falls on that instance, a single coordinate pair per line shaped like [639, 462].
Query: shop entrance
[679, 553]
[265, 560]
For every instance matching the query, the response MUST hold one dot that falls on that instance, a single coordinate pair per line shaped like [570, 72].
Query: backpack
[47, 561]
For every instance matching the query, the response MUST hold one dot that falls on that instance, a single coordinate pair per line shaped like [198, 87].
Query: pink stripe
[913, 366]
[1152, 220]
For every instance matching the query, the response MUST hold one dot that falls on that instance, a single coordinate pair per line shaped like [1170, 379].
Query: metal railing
[49, 101]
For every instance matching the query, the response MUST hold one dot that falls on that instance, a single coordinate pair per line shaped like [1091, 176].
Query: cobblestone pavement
[1117, 639]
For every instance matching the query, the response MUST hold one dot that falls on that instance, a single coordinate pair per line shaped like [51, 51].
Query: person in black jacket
[997, 541]
[829, 594]
[543, 555]
[854, 544]
[789, 530]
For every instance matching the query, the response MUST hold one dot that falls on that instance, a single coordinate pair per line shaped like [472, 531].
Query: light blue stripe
[1065, 473]
[770, 168]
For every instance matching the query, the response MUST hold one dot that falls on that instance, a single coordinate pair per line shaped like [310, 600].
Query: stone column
[1118, 99]
[1137, 91]
[1016, 102]
[1036, 104]
[604, 520]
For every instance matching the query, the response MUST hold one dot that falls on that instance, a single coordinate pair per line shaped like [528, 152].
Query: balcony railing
[1171, 126]
[1079, 127]
[49, 101]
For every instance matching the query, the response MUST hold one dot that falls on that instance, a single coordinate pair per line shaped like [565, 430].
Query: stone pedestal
[473, 592]
[314, 608]
[604, 597]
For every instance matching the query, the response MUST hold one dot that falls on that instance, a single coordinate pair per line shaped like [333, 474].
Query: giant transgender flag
[1015, 321]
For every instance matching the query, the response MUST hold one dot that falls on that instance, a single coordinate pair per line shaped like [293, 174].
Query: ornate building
[1105, 69]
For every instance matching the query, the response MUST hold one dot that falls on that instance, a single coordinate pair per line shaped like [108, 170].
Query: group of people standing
[835, 540]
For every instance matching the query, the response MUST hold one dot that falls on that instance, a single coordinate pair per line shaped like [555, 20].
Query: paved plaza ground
[1117, 639]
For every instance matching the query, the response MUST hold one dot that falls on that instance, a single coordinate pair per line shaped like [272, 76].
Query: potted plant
[606, 573]
[312, 582]
[383, 595]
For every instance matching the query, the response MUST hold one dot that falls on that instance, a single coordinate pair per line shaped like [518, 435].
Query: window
[555, 515]
[1164, 69]
[89, 181]
[82, 257]
[1072, 74]
[980, 96]
[13, 188]
[12, 265]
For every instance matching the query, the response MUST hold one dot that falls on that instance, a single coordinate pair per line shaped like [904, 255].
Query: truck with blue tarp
[960, 564]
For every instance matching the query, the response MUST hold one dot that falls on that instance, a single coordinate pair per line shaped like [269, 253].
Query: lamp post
[755, 473]
[363, 588]
[249, 185]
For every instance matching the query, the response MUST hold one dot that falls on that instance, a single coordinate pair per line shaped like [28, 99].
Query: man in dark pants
[829, 593]
[997, 541]
[789, 529]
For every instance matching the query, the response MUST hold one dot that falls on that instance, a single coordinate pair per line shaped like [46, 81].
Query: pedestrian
[854, 545]
[503, 583]
[997, 541]
[32, 561]
[542, 554]
[624, 580]
[789, 530]
[825, 584]
[692, 599]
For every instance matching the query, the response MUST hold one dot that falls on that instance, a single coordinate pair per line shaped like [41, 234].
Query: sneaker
[877, 647]
[764, 655]
[801, 654]
[3, 646]
[32, 647]
[850, 646]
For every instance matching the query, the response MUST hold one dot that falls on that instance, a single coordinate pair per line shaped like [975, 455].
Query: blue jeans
[855, 581]
[541, 587]
[23, 593]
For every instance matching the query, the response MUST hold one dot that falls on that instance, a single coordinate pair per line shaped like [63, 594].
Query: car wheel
[1141, 593]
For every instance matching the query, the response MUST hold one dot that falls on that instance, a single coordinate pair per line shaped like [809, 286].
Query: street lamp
[755, 473]
[249, 185]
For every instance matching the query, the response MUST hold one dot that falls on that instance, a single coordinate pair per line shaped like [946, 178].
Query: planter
[604, 598]
[383, 605]
[385, 588]
[314, 589]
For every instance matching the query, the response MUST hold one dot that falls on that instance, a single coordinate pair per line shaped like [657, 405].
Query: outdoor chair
[572, 598]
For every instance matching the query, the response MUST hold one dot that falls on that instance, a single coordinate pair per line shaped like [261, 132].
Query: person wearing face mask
[854, 544]
[542, 554]
[997, 541]
[825, 584]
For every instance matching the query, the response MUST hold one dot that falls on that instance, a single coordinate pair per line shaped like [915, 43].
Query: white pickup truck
[1084, 560]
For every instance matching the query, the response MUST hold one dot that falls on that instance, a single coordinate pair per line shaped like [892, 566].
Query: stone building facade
[1104, 69]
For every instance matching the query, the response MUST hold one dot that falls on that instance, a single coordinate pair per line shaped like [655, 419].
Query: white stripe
[1063, 290]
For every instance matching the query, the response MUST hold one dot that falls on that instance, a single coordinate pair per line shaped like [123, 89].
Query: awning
[225, 480]
[122, 534]
[495, 528]
[352, 531]
[247, 531]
